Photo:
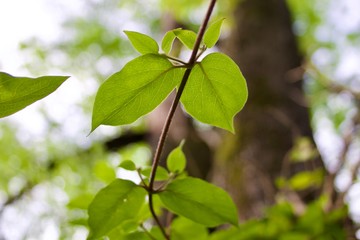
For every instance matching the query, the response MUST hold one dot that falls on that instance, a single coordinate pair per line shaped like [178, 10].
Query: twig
[170, 116]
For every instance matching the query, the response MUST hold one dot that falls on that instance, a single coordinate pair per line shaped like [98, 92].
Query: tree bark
[248, 163]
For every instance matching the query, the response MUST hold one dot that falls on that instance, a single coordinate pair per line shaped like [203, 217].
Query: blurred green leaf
[183, 228]
[18, 92]
[104, 171]
[306, 179]
[161, 173]
[128, 165]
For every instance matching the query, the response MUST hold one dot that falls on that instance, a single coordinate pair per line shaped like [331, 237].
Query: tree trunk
[248, 163]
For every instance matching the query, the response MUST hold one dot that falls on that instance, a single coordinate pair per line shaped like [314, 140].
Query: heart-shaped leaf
[216, 90]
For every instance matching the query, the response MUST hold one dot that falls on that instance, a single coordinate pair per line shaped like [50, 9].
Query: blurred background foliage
[48, 178]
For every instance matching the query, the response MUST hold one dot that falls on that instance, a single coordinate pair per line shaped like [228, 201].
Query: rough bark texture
[248, 163]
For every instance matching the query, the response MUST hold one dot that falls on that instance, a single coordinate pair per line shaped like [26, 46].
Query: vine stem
[170, 116]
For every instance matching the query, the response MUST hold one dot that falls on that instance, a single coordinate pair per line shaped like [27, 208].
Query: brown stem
[170, 116]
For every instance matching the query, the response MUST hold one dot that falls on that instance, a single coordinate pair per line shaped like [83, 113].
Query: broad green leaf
[142, 43]
[114, 204]
[199, 201]
[212, 33]
[187, 37]
[216, 90]
[176, 161]
[167, 41]
[18, 92]
[183, 228]
[128, 165]
[136, 90]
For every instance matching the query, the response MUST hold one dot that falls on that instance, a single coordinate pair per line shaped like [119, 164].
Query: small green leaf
[199, 201]
[216, 90]
[212, 34]
[18, 92]
[187, 37]
[306, 179]
[136, 90]
[104, 171]
[142, 43]
[114, 204]
[167, 41]
[176, 161]
[128, 165]
[161, 173]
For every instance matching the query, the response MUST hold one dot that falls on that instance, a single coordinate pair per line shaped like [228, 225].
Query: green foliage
[216, 91]
[199, 201]
[187, 37]
[182, 228]
[128, 165]
[176, 161]
[167, 41]
[281, 222]
[18, 92]
[212, 34]
[136, 90]
[113, 205]
[142, 43]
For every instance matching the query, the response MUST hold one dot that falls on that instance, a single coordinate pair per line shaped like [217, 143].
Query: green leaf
[216, 90]
[199, 201]
[136, 90]
[142, 43]
[104, 171]
[183, 228]
[18, 92]
[167, 41]
[176, 161]
[161, 173]
[128, 165]
[307, 179]
[187, 37]
[212, 33]
[114, 204]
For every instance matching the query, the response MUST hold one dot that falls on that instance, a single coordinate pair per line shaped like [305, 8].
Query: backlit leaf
[176, 161]
[136, 90]
[128, 165]
[187, 37]
[114, 204]
[216, 90]
[18, 92]
[199, 201]
[212, 34]
[167, 41]
[142, 43]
